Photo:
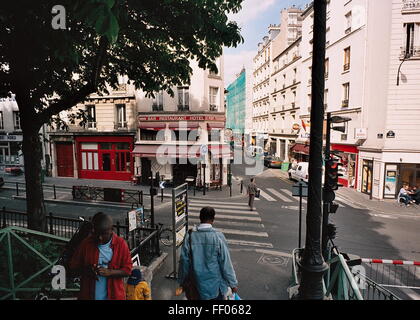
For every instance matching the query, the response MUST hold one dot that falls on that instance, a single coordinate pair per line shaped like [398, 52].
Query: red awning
[216, 125]
[171, 151]
[300, 148]
[152, 125]
[183, 125]
[220, 151]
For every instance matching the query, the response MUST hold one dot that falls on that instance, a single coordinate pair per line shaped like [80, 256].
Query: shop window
[122, 161]
[106, 162]
[89, 146]
[16, 120]
[123, 146]
[214, 135]
[90, 160]
[185, 135]
[105, 145]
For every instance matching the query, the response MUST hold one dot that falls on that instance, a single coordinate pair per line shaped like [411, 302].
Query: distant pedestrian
[102, 260]
[205, 261]
[137, 288]
[252, 191]
[415, 195]
[405, 195]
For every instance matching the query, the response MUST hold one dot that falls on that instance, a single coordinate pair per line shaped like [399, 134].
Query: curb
[157, 263]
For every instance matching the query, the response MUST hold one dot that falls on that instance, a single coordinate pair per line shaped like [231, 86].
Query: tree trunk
[32, 154]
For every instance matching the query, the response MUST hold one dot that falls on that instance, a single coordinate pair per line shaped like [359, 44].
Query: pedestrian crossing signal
[332, 175]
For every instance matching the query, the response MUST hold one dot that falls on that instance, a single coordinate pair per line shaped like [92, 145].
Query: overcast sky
[254, 19]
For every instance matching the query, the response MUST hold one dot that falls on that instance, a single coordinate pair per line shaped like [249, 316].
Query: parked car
[1, 182]
[272, 162]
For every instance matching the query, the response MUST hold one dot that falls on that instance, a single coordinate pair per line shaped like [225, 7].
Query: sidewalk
[223, 194]
[362, 201]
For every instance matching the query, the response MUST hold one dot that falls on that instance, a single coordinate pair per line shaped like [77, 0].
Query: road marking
[223, 216]
[201, 205]
[203, 202]
[230, 223]
[247, 212]
[279, 195]
[267, 196]
[289, 193]
[385, 216]
[250, 243]
[243, 233]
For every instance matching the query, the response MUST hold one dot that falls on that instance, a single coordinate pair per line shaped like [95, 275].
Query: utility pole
[328, 195]
[312, 263]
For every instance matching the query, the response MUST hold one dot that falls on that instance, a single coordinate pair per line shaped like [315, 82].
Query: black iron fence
[141, 241]
[89, 193]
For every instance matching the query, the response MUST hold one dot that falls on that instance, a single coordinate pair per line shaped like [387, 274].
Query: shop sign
[296, 126]
[11, 137]
[182, 118]
[390, 134]
[361, 133]
[411, 5]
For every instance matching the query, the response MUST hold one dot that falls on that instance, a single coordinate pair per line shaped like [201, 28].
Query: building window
[213, 98]
[89, 156]
[347, 59]
[327, 67]
[217, 62]
[346, 95]
[91, 115]
[409, 48]
[158, 102]
[183, 99]
[121, 116]
[325, 99]
[1, 121]
[148, 135]
[348, 22]
[16, 120]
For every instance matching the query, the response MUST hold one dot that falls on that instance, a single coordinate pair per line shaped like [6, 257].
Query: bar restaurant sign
[182, 118]
[11, 137]
[411, 5]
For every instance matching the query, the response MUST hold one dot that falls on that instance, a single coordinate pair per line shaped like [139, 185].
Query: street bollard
[161, 195]
[242, 186]
[17, 189]
[230, 189]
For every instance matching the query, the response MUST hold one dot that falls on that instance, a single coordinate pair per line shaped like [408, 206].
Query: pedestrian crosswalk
[242, 228]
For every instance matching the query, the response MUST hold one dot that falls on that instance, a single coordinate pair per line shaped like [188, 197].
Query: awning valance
[300, 148]
[216, 125]
[182, 125]
[169, 151]
[220, 151]
[152, 126]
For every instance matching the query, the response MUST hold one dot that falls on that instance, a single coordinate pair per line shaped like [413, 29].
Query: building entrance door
[146, 171]
[65, 165]
[367, 176]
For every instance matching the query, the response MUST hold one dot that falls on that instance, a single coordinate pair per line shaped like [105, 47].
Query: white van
[301, 173]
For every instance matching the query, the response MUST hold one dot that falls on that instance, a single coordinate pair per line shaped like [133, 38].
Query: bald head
[102, 227]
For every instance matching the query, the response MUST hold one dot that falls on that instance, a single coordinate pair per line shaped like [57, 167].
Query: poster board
[135, 218]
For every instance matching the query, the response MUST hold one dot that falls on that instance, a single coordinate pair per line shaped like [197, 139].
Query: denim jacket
[212, 265]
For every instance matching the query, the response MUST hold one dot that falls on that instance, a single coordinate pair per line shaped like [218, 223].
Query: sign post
[300, 190]
[179, 222]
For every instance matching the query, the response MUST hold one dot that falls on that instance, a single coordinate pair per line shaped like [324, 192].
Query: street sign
[204, 149]
[296, 189]
[162, 184]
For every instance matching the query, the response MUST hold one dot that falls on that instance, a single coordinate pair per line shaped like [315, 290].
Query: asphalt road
[262, 241]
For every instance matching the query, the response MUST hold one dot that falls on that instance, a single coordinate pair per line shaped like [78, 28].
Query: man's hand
[91, 271]
[179, 291]
[105, 272]
[234, 290]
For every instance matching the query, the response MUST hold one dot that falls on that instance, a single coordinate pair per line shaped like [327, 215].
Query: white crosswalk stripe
[266, 196]
[242, 228]
[279, 195]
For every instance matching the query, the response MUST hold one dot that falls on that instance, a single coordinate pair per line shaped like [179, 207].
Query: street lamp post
[312, 264]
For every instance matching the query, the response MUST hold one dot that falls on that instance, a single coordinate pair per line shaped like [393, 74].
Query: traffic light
[331, 181]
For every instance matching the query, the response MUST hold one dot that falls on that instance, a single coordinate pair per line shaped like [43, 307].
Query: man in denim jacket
[212, 266]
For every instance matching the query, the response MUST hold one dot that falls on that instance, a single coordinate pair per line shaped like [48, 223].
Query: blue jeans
[406, 198]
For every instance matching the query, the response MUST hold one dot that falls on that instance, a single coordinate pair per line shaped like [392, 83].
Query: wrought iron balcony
[345, 103]
[91, 125]
[183, 108]
[214, 107]
[156, 107]
[120, 125]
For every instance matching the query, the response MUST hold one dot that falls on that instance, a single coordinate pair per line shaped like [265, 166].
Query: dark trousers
[251, 200]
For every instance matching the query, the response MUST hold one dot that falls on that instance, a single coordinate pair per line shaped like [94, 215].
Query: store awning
[300, 148]
[220, 151]
[215, 125]
[170, 151]
[182, 125]
[152, 125]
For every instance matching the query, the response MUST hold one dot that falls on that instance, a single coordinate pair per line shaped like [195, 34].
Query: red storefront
[104, 157]
[349, 156]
